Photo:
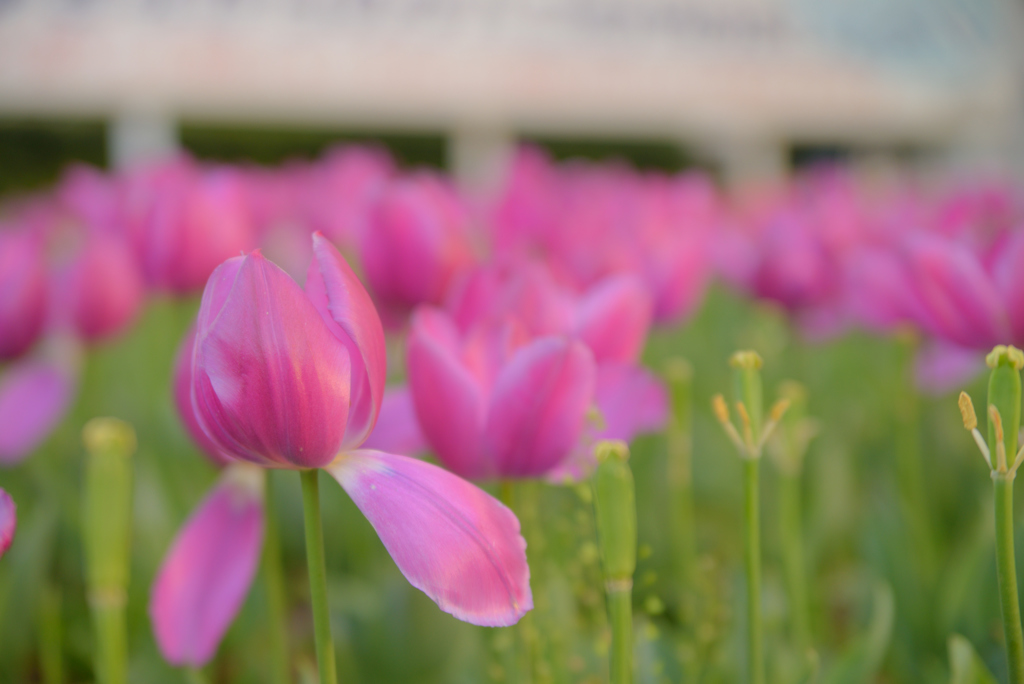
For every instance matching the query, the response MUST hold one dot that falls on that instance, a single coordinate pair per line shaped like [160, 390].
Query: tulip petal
[397, 430]
[8, 521]
[271, 384]
[448, 400]
[346, 306]
[613, 318]
[182, 385]
[450, 539]
[34, 396]
[631, 399]
[207, 573]
[538, 405]
[960, 297]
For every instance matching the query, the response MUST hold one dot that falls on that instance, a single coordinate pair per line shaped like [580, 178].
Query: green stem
[194, 675]
[273, 578]
[620, 614]
[111, 652]
[51, 660]
[1007, 572]
[752, 563]
[679, 438]
[909, 468]
[318, 576]
[791, 534]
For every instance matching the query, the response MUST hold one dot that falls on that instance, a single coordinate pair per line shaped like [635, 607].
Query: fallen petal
[450, 539]
[206, 575]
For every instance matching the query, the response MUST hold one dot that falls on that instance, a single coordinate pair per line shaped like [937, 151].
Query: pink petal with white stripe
[450, 539]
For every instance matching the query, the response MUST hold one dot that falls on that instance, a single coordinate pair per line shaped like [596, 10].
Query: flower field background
[898, 544]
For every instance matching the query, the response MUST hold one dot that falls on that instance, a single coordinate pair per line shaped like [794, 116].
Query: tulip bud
[106, 522]
[615, 504]
[23, 300]
[8, 521]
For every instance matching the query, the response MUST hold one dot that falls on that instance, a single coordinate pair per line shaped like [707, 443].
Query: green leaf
[965, 665]
[863, 659]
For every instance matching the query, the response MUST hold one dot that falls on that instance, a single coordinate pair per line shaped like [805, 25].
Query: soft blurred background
[748, 92]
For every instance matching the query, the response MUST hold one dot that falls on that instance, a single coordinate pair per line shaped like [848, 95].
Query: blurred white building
[737, 79]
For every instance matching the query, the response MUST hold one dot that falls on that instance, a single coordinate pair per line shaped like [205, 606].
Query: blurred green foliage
[873, 609]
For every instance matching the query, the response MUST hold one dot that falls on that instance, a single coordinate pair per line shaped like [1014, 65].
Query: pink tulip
[288, 378]
[337, 193]
[206, 574]
[491, 402]
[34, 396]
[23, 292]
[188, 221]
[8, 521]
[277, 379]
[101, 291]
[415, 243]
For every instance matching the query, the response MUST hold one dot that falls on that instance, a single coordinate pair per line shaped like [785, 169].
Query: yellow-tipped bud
[720, 408]
[746, 360]
[109, 435]
[967, 411]
[1013, 355]
[779, 409]
[611, 448]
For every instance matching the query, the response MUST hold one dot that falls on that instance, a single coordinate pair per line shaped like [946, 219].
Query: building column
[135, 137]
[478, 157]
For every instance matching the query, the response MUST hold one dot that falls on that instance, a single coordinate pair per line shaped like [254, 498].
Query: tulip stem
[50, 655]
[1007, 572]
[791, 534]
[620, 615]
[679, 476]
[318, 576]
[273, 578]
[194, 675]
[752, 562]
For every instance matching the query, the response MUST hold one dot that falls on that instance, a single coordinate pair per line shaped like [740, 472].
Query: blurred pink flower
[8, 521]
[34, 395]
[415, 243]
[185, 220]
[100, 292]
[612, 317]
[23, 291]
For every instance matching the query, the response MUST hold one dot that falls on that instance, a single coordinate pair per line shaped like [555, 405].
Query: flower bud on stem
[1004, 389]
[615, 506]
[106, 519]
[755, 432]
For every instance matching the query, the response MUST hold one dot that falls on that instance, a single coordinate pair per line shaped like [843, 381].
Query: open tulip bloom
[283, 377]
